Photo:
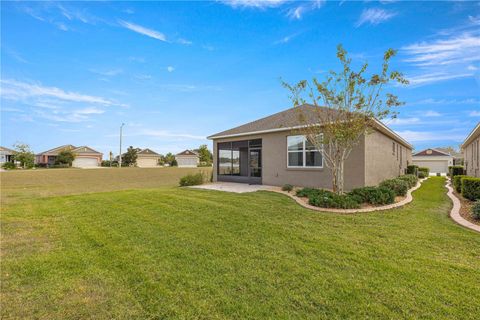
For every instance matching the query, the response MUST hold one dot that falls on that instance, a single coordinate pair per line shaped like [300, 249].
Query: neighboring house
[271, 151]
[6, 155]
[435, 160]
[471, 152]
[457, 156]
[187, 159]
[85, 157]
[147, 158]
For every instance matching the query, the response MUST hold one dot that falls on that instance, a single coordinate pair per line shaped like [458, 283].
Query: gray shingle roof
[285, 119]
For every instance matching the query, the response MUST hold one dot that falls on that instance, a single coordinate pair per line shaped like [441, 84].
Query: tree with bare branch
[346, 106]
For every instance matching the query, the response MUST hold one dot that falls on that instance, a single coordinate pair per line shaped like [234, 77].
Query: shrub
[457, 182]
[412, 169]
[287, 187]
[476, 210]
[9, 166]
[192, 179]
[399, 186]
[410, 179]
[327, 199]
[456, 171]
[471, 188]
[424, 170]
[374, 195]
[421, 175]
[306, 192]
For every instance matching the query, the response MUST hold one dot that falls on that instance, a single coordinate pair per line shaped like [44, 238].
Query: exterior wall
[434, 163]
[274, 164]
[147, 161]
[96, 156]
[382, 162]
[471, 157]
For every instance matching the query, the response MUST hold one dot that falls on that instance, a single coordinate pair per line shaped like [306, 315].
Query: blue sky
[176, 72]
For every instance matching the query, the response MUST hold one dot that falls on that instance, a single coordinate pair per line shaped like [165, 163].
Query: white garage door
[440, 166]
[85, 162]
[146, 163]
[187, 162]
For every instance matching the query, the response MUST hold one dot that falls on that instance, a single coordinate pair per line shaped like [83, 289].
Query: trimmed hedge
[425, 170]
[410, 179]
[412, 169]
[399, 186]
[306, 192]
[471, 188]
[457, 182]
[192, 179]
[476, 210]
[456, 171]
[374, 195]
[327, 199]
[421, 175]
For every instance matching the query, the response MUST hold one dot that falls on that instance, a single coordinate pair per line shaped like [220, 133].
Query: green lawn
[185, 253]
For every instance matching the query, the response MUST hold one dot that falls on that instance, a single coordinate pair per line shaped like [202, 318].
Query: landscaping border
[455, 212]
[408, 199]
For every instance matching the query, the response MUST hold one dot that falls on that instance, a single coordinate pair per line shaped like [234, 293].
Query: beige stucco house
[147, 158]
[6, 155]
[85, 157]
[270, 151]
[436, 160]
[187, 159]
[471, 152]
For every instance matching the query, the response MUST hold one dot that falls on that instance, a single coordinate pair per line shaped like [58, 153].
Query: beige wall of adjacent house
[385, 158]
[471, 154]
[274, 164]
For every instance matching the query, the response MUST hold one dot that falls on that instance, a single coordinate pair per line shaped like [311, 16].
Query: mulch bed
[466, 208]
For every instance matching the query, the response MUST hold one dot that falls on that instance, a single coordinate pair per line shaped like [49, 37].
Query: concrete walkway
[455, 212]
[234, 187]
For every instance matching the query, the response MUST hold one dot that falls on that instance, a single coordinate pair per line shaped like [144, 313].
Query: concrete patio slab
[235, 187]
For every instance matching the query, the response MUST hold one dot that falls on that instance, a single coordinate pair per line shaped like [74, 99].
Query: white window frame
[304, 151]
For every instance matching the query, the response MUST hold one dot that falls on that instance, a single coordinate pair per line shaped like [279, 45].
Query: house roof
[454, 154]
[187, 153]
[85, 149]
[56, 150]
[7, 150]
[148, 152]
[291, 119]
[475, 133]
[432, 153]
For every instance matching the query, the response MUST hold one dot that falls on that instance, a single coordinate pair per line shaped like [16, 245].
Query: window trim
[303, 151]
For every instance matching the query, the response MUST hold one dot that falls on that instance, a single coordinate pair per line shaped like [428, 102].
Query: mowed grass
[186, 253]
[21, 185]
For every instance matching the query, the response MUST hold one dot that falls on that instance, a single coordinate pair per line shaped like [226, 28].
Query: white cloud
[142, 30]
[446, 101]
[474, 113]
[143, 77]
[464, 48]
[16, 90]
[431, 113]
[259, 4]
[184, 41]
[403, 121]
[472, 67]
[168, 134]
[415, 136]
[298, 11]
[286, 39]
[107, 73]
[429, 78]
[170, 69]
[374, 16]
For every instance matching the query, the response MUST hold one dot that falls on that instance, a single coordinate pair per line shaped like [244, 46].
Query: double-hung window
[302, 153]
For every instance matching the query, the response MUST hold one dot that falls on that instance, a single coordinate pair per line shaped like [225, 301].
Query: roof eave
[471, 135]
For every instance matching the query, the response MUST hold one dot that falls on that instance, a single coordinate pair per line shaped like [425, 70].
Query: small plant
[306, 192]
[192, 179]
[410, 179]
[374, 195]
[287, 187]
[412, 169]
[421, 175]
[424, 170]
[476, 210]
[456, 171]
[9, 166]
[471, 188]
[327, 199]
[399, 186]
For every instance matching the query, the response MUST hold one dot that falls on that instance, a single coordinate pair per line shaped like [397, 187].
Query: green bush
[9, 166]
[410, 179]
[471, 188]
[425, 170]
[421, 175]
[412, 169]
[374, 195]
[456, 171]
[457, 182]
[476, 210]
[306, 192]
[192, 179]
[399, 186]
[327, 199]
[287, 187]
